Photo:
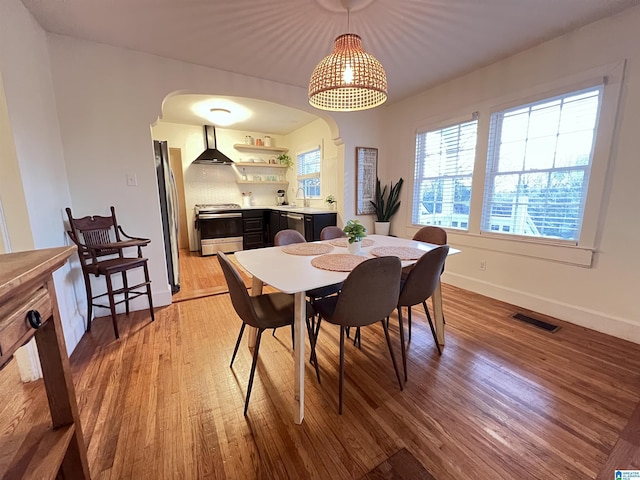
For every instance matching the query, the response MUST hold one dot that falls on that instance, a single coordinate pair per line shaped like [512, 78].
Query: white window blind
[538, 166]
[308, 174]
[443, 173]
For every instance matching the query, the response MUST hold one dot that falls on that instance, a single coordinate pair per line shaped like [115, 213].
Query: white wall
[602, 297]
[107, 100]
[33, 123]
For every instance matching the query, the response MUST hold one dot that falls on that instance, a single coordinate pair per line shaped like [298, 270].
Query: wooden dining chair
[417, 287]
[331, 232]
[101, 243]
[369, 294]
[268, 310]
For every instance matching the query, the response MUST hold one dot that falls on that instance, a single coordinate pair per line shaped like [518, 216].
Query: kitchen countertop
[288, 208]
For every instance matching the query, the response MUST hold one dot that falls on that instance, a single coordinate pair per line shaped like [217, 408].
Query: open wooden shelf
[259, 182]
[259, 164]
[259, 148]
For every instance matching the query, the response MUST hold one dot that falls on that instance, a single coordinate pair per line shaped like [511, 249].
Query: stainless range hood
[212, 156]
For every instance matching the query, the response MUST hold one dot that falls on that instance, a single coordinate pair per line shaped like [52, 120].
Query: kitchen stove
[215, 207]
[219, 226]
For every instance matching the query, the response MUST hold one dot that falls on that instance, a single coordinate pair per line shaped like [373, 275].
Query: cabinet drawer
[253, 225]
[14, 327]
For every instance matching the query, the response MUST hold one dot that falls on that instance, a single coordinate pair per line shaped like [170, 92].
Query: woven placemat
[338, 262]
[344, 242]
[403, 253]
[307, 248]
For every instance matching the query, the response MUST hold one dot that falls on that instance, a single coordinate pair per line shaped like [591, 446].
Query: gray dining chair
[268, 310]
[288, 237]
[331, 232]
[416, 288]
[369, 294]
[429, 234]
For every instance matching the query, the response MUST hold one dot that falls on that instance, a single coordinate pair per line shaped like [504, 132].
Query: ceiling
[419, 42]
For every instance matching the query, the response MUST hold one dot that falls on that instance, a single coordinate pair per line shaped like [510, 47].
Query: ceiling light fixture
[220, 116]
[348, 79]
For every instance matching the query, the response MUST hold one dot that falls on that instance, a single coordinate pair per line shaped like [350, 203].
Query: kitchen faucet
[305, 202]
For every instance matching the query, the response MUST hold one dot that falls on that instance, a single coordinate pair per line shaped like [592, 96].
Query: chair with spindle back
[101, 242]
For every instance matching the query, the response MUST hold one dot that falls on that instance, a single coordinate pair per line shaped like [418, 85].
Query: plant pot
[382, 228]
[354, 248]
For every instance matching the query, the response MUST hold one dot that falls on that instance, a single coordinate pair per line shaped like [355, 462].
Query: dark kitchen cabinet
[254, 229]
[277, 222]
[313, 224]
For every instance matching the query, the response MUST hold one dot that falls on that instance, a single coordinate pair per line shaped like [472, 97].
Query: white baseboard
[592, 319]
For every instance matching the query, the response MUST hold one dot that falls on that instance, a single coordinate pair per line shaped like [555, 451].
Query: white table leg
[438, 320]
[252, 334]
[299, 356]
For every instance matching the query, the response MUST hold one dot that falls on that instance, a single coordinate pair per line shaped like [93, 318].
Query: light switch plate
[132, 180]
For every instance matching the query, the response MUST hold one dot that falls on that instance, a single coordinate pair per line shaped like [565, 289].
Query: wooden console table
[28, 308]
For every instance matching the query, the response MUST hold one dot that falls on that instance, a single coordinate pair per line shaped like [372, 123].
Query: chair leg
[315, 331]
[312, 342]
[393, 358]
[433, 330]
[409, 322]
[125, 287]
[253, 370]
[87, 287]
[112, 306]
[235, 350]
[341, 384]
[402, 345]
[146, 279]
[357, 340]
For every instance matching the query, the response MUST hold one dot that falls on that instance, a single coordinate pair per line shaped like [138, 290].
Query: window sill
[554, 252]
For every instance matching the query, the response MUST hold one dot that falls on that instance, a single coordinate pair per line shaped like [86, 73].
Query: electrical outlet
[483, 265]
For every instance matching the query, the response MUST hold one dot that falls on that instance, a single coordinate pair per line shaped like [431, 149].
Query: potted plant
[386, 206]
[285, 159]
[355, 232]
[331, 201]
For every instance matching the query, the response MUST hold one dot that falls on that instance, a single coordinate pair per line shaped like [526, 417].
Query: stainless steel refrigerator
[169, 212]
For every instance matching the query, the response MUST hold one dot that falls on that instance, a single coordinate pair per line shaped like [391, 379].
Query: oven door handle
[213, 216]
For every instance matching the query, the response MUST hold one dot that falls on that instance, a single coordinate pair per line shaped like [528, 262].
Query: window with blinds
[443, 173]
[538, 165]
[309, 173]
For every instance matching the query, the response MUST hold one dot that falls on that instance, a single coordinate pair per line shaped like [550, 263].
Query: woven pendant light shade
[349, 79]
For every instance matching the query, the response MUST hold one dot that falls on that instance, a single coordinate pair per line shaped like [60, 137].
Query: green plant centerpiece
[285, 159]
[355, 231]
[385, 205]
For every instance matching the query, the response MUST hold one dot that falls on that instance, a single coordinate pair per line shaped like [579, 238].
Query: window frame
[595, 205]
[318, 175]
[493, 162]
[433, 127]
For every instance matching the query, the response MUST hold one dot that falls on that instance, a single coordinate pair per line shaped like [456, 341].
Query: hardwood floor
[505, 400]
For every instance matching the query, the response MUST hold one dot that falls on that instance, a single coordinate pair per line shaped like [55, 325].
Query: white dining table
[294, 274]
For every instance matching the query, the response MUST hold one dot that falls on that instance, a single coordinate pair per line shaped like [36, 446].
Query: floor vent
[549, 327]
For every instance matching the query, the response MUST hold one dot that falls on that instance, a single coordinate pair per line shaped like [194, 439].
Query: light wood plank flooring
[504, 401]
